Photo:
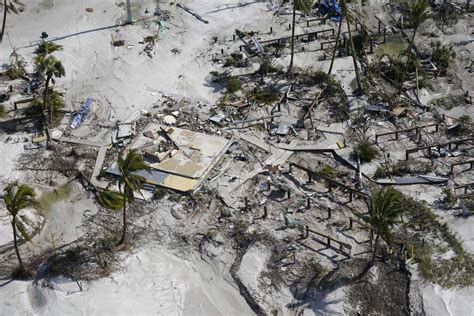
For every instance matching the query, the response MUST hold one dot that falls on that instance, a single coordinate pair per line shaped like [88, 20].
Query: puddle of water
[392, 47]
[47, 199]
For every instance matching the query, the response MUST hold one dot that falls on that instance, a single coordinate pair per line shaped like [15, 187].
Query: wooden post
[310, 177]
[290, 169]
[246, 201]
[329, 241]
[265, 212]
[350, 196]
[329, 213]
[371, 46]
[380, 26]
[271, 29]
[308, 203]
[233, 37]
[222, 51]
[350, 223]
[288, 194]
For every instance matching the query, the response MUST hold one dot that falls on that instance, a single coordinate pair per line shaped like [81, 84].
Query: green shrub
[262, 95]
[233, 85]
[266, 66]
[54, 98]
[326, 171]
[366, 151]
[448, 197]
[3, 111]
[442, 55]
[404, 167]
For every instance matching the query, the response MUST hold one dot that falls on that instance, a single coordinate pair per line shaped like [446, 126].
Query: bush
[16, 67]
[54, 99]
[403, 167]
[366, 151]
[233, 85]
[264, 96]
[326, 171]
[3, 111]
[442, 55]
[266, 66]
[449, 197]
[466, 123]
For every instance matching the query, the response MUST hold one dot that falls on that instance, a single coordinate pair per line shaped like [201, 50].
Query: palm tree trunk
[356, 68]
[4, 20]
[129, 13]
[15, 243]
[45, 98]
[124, 226]
[337, 42]
[374, 250]
[290, 68]
[410, 47]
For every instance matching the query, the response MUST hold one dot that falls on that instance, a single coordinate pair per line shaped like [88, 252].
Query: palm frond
[111, 199]
[22, 229]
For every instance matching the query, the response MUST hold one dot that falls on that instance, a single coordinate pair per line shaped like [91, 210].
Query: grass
[263, 96]
[402, 168]
[432, 240]
[448, 197]
[3, 111]
[233, 85]
[366, 150]
[326, 171]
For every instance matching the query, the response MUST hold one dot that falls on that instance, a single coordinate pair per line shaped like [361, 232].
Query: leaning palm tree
[337, 38]
[129, 13]
[18, 197]
[48, 66]
[351, 42]
[300, 5]
[129, 183]
[385, 210]
[8, 6]
[418, 13]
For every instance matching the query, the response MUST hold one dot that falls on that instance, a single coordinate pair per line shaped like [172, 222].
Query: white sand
[153, 281]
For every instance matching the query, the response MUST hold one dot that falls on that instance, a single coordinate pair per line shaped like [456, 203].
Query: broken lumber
[200, 18]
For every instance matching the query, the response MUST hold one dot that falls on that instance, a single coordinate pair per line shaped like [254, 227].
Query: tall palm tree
[7, 8]
[18, 197]
[385, 210]
[300, 5]
[48, 66]
[337, 38]
[418, 13]
[129, 182]
[129, 13]
[351, 42]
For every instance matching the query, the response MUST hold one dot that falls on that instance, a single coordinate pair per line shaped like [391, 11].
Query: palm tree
[418, 13]
[18, 197]
[300, 5]
[351, 42]
[385, 210]
[48, 66]
[128, 183]
[337, 38]
[7, 8]
[129, 13]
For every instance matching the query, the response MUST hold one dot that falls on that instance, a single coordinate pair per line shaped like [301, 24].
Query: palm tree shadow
[231, 7]
[54, 39]
[6, 283]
